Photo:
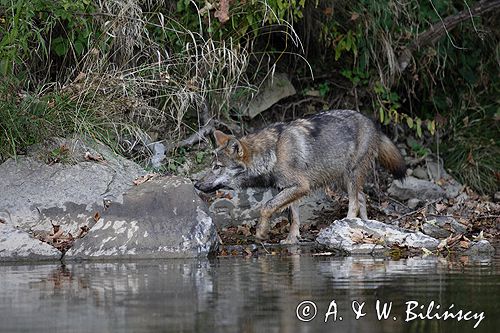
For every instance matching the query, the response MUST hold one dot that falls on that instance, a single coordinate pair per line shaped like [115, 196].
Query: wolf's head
[228, 167]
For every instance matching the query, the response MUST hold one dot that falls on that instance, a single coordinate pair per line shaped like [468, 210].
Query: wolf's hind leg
[294, 234]
[352, 191]
[362, 206]
[279, 202]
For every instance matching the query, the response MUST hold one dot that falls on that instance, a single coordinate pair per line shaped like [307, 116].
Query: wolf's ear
[220, 138]
[237, 147]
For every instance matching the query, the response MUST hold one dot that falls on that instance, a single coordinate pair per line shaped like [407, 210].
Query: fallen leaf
[464, 244]
[244, 230]
[94, 157]
[248, 252]
[442, 244]
[222, 194]
[478, 237]
[357, 236]
[223, 12]
[97, 216]
[142, 179]
[83, 231]
[470, 159]
[426, 252]
[56, 235]
[440, 207]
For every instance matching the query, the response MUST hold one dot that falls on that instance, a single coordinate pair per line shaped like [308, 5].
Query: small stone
[496, 197]
[436, 171]
[420, 173]
[431, 229]
[482, 247]
[413, 203]
[412, 187]
[450, 223]
[452, 188]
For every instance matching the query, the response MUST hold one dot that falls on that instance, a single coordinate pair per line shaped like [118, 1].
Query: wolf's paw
[261, 234]
[288, 241]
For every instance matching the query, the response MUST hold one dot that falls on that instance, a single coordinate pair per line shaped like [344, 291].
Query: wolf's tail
[391, 158]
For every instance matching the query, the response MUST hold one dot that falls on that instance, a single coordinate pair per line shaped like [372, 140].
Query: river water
[235, 294]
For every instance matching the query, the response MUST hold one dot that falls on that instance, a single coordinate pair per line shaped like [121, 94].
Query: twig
[418, 210]
[444, 26]
[197, 136]
[396, 201]
[262, 243]
[487, 217]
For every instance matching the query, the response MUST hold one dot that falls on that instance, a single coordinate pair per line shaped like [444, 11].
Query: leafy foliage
[133, 72]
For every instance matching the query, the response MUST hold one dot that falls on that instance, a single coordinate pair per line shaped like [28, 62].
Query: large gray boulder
[358, 236]
[275, 88]
[162, 218]
[65, 181]
[18, 245]
[412, 187]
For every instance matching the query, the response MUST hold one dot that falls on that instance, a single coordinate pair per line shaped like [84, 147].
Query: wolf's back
[390, 157]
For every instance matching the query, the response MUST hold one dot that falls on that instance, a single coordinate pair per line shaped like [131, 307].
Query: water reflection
[243, 294]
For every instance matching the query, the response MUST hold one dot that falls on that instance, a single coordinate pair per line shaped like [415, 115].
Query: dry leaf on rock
[94, 157]
[142, 179]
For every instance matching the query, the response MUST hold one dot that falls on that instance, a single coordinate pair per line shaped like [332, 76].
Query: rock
[482, 247]
[162, 218]
[496, 197]
[245, 204]
[275, 88]
[69, 190]
[412, 187]
[413, 203]
[436, 170]
[450, 223]
[442, 227]
[452, 188]
[158, 155]
[431, 229]
[338, 236]
[420, 173]
[18, 245]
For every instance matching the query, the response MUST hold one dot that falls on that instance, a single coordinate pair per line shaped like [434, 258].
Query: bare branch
[444, 26]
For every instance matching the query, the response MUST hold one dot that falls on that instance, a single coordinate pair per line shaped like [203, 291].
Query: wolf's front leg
[294, 234]
[262, 231]
[279, 202]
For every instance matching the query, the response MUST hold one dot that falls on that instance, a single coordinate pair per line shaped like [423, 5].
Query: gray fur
[301, 156]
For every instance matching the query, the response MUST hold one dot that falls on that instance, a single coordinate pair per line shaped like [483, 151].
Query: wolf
[301, 156]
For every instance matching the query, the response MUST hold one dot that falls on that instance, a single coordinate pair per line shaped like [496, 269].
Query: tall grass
[127, 72]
